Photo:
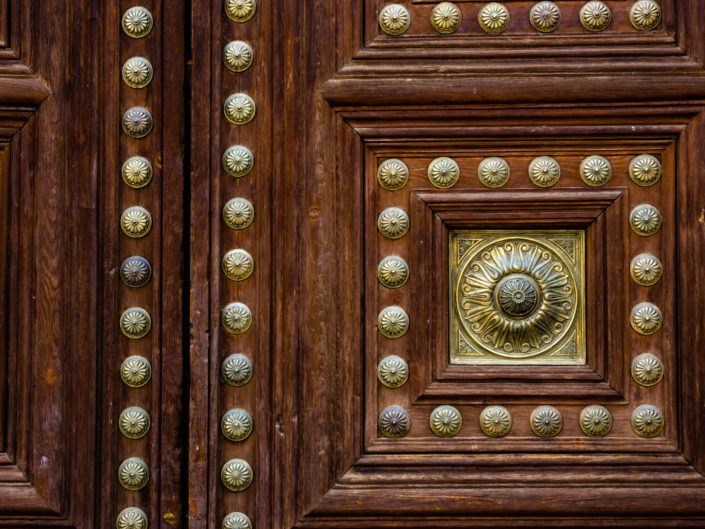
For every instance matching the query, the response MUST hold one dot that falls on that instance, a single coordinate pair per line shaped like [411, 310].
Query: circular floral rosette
[136, 371]
[545, 17]
[446, 18]
[135, 323]
[236, 475]
[239, 109]
[392, 174]
[443, 172]
[135, 271]
[238, 265]
[647, 421]
[240, 10]
[394, 422]
[645, 318]
[595, 16]
[646, 269]
[393, 371]
[595, 170]
[645, 220]
[645, 170]
[236, 370]
[134, 422]
[493, 172]
[546, 421]
[137, 122]
[133, 474]
[137, 72]
[394, 19]
[493, 18]
[236, 520]
[132, 518]
[236, 425]
[238, 161]
[393, 223]
[647, 370]
[544, 171]
[393, 272]
[137, 22]
[393, 322]
[238, 213]
[137, 172]
[595, 421]
[237, 56]
[645, 15]
[446, 421]
[495, 421]
[236, 318]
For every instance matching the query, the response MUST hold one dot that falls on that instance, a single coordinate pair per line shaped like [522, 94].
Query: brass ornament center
[517, 295]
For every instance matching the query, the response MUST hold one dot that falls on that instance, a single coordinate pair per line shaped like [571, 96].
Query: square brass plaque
[517, 297]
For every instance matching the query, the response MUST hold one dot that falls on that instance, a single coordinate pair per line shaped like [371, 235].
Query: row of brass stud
[494, 17]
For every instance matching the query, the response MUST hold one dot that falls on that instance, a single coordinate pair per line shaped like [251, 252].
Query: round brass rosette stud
[595, 421]
[493, 172]
[135, 323]
[646, 269]
[137, 22]
[645, 220]
[134, 422]
[237, 56]
[645, 170]
[236, 370]
[544, 171]
[236, 425]
[238, 213]
[240, 10]
[137, 72]
[135, 271]
[137, 172]
[647, 370]
[493, 18]
[393, 372]
[545, 17]
[136, 222]
[238, 265]
[132, 518]
[446, 17]
[645, 318]
[133, 474]
[443, 172]
[136, 371]
[393, 223]
[392, 174]
[495, 421]
[595, 16]
[645, 15]
[647, 421]
[546, 421]
[445, 421]
[595, 170]
[236, 520]
[393, 322]
[236, 318]
[394, 422]
[137, 122]
[238, 161]
[393, 272]
[239, 109]
[394, 19]
[236, 475]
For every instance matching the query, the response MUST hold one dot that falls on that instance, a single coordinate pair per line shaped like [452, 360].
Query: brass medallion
[238, 265]
[135, 323]
[393, 223]
[137, 172]
[237, 56]
[236, 425]
[495, 421]
[240, 10]
[647, 421]
[393, 272]
[238, 161]
[134, 422]
[446, 17]
[133, 474]
[647, 370]
[393, 322]
[645, 15]
[394, 422]
[546, 421]
[137, 72]
[517, 297]
[445, 421]
[135, 371]
[236, 475]
[595, 170]
[595, 16]
[493, 18]
[645, 318]
[136, 222]
[137, 122]
[132, 518]
[493, 172]
[645, 220]
[236, 318]
[236, 520]
[135, 271]
[238, 213]
[236, 370]
[646, 269]
[137, 22]
[393, 372]
[239, 109]
[595, 421]
[443, 172]
[394, 19]
[392, 174]
[645, 170]
[544, 171]
[545, 17]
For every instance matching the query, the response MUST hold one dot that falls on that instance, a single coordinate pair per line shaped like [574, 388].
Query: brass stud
[236, 520]
[393, 371]
[236, 425]
[647, 421]
[135, 271]
[394, 422]
[645, 170]
[595, 421]
[443, 172]
[544, 171]
[495, 421]
[133, 474]
[647, 370]
[137, 22]
[393, 322]
[393, 223]
[239, 109]
[237, 56]
[494, 18]
[645, 15]
[132, 518]
[595, 170]
[446, 18]
[645, 269]
[645, 220]
[394, 19]
[595, 16]
[236, 475]
[392, 174]
[136, 222]
[135, 323]
[493, 172]
[393, 272]
[238, 161]
[137, 72]
[238, 213]
[240, 10]
[546, 421]
[236, 370]
[137, 122]
[134, 422]
[545, 17]
[135, 371]
[645, 318]
[236, 318]
[238, 265]
[137, 172]
[445, 421]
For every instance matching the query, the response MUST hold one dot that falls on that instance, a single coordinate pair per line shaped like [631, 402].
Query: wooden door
[352, 263]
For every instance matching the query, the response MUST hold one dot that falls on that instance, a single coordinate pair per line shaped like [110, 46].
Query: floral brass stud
[238, 161]
[645, 220]
[493, 18]
[647, 370]
[595, 16]
[236, 475]
[545, 17]
[236, 370]
[237, 56]
[134, 422]
[446, 421]
[393, 223]
[135, 371]
[238, 265]
[393, 272]
[132, 518]
[392, 174]
[133, 474]
[645, 170]
[446, 18]
[236, 520]
[495, 421]
[135, 271]
[137, 22]
[135, 323]
[137, 172]
[239, 109]
[645, 318]
[136, 222]
[236, 425]
[394, 19]
[544, 171]
[645, 15]
[393, 372]
[394, 422]
[240, 10]
[137, 122]
[647, 421]
[137, 72]
[393, 322]
[595, 170]
[493, 172]
[238, 213]
[443, 172]
[546, 421]
[236, 318]
[595, 421]
[646, 269]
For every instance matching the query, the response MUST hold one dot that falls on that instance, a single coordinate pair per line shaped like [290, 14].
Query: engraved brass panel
[517, 297]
